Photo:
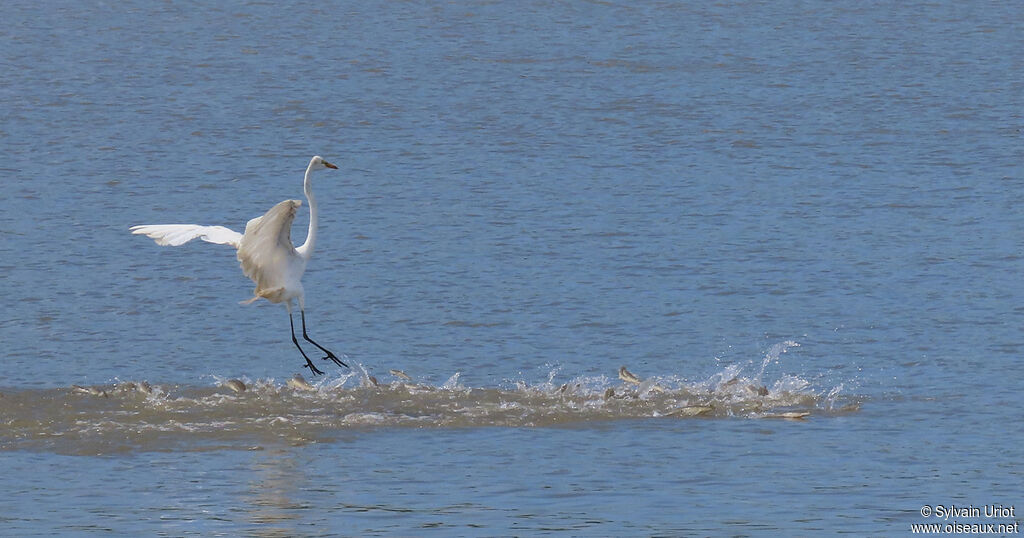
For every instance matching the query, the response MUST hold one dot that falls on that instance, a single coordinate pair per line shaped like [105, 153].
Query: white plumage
[268, 257]
[265, 252]
[174, 235]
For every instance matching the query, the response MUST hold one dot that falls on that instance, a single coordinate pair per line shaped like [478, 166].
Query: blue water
[527, 191]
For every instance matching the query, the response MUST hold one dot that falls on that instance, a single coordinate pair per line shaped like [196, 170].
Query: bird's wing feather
[178, 234]
[266, 248]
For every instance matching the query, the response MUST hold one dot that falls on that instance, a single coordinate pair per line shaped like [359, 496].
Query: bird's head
[318, 163]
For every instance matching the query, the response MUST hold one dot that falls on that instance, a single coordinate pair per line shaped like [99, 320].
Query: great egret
[265, 253]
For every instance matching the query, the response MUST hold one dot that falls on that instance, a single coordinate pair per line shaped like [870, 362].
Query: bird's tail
[273, 295]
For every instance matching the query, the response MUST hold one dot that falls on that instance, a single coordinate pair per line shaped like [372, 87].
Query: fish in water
[93, 391]
[790, 415]
[131, 386]
[628, 376]
[235, 385]
[690, 411]
[299, 383]
[758, 390]
[400, 374]
[144, 388]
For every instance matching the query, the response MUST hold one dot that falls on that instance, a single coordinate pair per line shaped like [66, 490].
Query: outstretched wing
[266, 250]
[178, 234]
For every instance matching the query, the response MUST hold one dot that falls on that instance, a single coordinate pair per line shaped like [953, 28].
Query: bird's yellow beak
[329, 165]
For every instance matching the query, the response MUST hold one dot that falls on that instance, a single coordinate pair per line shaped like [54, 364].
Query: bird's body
[268, 257]
[265, 252]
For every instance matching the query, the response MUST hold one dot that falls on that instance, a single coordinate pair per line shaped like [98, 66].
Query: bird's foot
[336, 360]
[313, 368]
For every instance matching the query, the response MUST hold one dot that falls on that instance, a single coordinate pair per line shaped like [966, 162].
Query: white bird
[265, 253]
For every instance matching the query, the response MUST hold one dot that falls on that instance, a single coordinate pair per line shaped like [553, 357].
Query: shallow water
[531, 196]
[129, 416]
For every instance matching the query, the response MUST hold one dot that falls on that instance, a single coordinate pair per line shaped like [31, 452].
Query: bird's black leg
[309, 363]
[328, 355]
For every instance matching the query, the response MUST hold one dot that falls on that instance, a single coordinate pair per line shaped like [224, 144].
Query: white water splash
[773, 355]
[452, 383]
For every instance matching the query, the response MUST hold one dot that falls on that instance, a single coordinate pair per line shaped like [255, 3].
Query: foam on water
[136, 415]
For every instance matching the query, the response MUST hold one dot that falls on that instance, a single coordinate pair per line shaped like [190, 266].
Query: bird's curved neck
[306, 250]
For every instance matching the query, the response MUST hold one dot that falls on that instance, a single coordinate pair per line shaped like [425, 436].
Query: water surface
[531, 196]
